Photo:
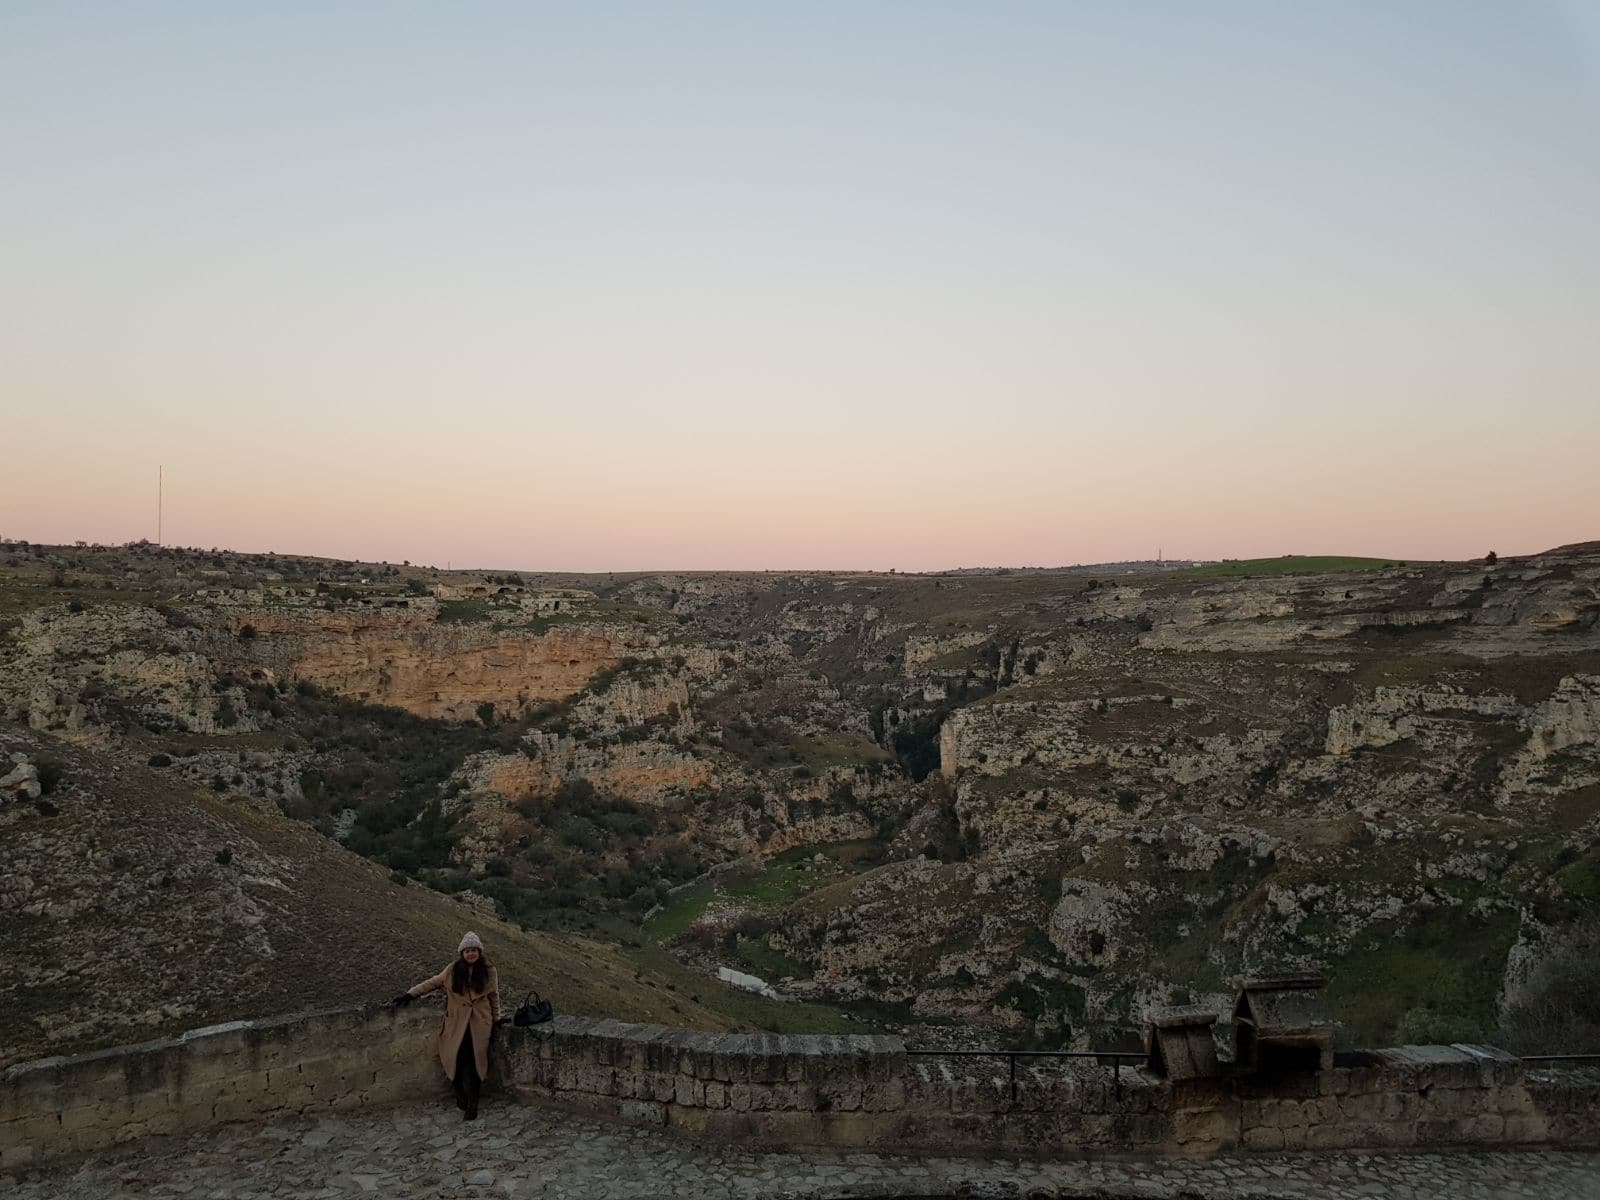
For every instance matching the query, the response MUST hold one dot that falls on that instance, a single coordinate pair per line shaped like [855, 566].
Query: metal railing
[1560, 1057]
[1011, 1056]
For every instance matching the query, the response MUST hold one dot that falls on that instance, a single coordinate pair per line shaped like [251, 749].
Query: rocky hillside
[133, 906]
[1060, 798]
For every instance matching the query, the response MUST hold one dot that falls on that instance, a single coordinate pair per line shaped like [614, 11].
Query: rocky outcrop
[1447, 717]
[448, 671]
[21, 781]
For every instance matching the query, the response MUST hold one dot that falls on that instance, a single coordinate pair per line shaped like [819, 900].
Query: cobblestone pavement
[516, 1152]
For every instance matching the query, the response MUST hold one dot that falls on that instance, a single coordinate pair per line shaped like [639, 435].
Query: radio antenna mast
[160, 497]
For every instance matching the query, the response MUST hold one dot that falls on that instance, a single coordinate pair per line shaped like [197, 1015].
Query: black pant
[467, 1082]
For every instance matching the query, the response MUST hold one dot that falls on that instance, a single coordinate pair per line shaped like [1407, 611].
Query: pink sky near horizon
[484, 514]
[850, 287]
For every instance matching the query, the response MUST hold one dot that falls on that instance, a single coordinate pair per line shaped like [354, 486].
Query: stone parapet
[240, 1071]
[768, 1089]
[765, 1088]
[755, 1089]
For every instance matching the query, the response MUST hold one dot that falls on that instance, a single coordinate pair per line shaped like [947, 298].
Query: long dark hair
[477, 975]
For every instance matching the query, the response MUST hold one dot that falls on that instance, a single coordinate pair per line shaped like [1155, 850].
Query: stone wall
[772, 1089]
[241, 1071]
[866, 1091]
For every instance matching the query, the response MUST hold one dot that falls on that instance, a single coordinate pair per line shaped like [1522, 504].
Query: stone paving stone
[522, 1154]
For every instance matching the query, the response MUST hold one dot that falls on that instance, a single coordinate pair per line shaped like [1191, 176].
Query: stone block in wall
[643, 1112]
[1416, 1067]
[762, 1064]
[781, 1097]
[1143, 1130]
[1189, 1095]
[1286, 1087]
[1443, 1131]
[328, 1069]
[1524, 1130]
[689, 1092]
[1326, 1137]
[1459, 1102]
[929, 1083]
[794, 1059]
[1363, 1081]
[818, 1059]
[1099, 1131]
[841, 1094]
[662, 1086]
[730, 1061]
[1035, 1092]
[1140, 1094]
[26, 1138]
[1262, 1137]
[1096, 1092]
[606, 1043]
[693, 1054]
[987, 1095]
[887, 1096]
[671, 1053]
[1398, 1106]
[695, 1122]
[1334, 1083]
[156, 1067]
[1496, 1067]
[1205, 1130]
[889, 1058]
[1487, 1129]
[598, 1079]
[1368, 1107]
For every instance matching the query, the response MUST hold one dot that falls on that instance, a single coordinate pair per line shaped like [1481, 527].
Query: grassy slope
[122, 956]
[1288, 564]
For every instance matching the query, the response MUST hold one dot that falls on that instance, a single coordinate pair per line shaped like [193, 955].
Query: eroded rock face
[437, 670]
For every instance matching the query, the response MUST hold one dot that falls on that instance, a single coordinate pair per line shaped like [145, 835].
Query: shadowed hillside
[135, 906]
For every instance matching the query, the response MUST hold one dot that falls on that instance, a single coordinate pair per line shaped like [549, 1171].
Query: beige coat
[479, 1010]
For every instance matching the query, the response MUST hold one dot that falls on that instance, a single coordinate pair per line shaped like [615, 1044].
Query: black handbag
[532, 1011]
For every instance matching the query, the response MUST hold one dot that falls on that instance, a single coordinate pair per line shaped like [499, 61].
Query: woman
[472, 1009]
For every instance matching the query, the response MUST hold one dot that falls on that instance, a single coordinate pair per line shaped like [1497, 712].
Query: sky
[630, 286]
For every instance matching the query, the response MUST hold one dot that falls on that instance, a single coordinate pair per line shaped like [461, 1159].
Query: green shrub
[463, 612]
[50, 772]
[1557, 1010]
[1425, 1027]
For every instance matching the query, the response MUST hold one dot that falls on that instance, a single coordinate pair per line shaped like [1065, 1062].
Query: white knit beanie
[469, 940]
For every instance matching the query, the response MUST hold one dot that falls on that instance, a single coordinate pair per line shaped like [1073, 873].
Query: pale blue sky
[880, 284]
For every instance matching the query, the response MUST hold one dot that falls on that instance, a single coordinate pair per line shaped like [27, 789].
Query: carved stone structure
[1179, 1043]
[1282, 1023]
